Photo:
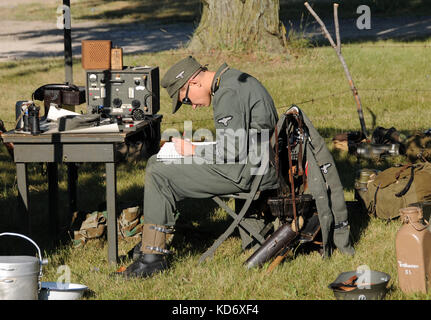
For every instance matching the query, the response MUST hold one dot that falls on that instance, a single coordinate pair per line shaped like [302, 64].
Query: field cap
[177, 76]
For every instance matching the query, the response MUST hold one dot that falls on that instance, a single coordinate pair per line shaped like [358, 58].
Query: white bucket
[20, 275]
[61, 291]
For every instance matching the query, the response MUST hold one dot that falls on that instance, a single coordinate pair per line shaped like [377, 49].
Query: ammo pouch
[72, 122]
[386, 192]
[130, 223]
[92, 227]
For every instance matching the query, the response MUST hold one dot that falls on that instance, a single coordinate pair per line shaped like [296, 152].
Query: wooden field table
[71, 148]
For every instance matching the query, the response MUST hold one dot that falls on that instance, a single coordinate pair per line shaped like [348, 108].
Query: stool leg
[230, 229]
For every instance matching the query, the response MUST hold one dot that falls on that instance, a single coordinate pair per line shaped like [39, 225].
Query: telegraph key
[130, 92]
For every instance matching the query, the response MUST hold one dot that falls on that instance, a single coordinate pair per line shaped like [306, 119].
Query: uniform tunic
[244, 118]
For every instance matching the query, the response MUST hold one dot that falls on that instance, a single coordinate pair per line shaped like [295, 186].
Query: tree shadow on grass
[401, 25]
[196, 228]
[161, 11]
[295, 9]
[14, 217]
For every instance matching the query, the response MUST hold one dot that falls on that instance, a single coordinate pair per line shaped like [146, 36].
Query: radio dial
[117, 102]
[136, 104]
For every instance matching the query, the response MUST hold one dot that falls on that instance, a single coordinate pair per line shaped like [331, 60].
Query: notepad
[167, 151]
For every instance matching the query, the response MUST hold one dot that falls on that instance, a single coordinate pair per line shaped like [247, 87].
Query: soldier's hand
[183, 147]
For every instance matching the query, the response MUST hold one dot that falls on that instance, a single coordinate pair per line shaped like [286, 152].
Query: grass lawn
[394, 85]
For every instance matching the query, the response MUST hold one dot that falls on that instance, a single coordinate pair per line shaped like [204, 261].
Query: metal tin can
[20, 275]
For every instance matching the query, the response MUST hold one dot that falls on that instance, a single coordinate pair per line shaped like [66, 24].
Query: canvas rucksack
[385, 192]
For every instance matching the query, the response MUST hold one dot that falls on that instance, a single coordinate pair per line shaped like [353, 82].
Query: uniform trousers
[167, 182]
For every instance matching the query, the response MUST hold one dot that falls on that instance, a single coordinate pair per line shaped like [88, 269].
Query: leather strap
[162, 229]
[375, 201]
[408, 185]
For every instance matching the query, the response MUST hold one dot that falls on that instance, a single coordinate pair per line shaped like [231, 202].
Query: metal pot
[62, 291]
[20, 275]
[375, 290]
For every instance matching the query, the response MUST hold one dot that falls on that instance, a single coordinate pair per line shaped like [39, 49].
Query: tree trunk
[239, 25]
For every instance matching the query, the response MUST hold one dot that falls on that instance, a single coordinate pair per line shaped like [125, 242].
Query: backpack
[386, 192]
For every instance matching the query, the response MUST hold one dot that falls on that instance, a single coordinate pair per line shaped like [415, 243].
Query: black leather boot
[135, 252]
[145, 266]
[150, 257]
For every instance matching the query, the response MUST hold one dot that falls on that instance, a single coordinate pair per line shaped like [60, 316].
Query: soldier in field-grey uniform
[241, 105]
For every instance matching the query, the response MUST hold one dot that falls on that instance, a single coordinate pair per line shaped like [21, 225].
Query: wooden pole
[67, 42]
[337, 27]
[346, 70]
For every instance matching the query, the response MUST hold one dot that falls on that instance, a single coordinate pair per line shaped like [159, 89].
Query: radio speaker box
[96, 54]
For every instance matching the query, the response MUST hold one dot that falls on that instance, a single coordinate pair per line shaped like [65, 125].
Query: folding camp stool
[238, 219]
[249, 197]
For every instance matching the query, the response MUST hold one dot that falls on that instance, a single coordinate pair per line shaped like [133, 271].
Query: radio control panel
[132, 92]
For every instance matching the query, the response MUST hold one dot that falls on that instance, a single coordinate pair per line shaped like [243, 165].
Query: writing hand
[183, 147]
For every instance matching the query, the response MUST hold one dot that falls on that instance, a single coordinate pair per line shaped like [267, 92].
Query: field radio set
[115, 90]
[119, 94]
[131, 92]
[118, 99]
